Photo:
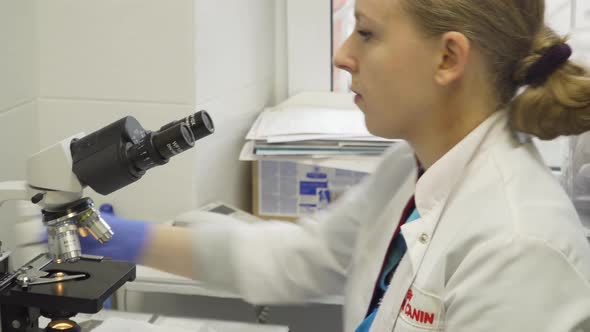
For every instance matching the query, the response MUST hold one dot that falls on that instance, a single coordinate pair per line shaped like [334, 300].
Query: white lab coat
[498, 246]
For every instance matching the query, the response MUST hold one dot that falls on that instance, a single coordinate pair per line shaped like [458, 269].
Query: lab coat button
[424, 238]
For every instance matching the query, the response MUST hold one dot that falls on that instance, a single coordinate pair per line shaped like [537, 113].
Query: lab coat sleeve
[279, 262]
[515, 285]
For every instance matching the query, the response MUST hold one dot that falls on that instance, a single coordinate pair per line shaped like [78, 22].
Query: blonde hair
[512, 36]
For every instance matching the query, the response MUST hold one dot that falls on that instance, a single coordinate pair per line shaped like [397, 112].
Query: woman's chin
[377, 129]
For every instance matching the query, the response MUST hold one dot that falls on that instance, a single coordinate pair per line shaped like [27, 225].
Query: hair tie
[553, 58]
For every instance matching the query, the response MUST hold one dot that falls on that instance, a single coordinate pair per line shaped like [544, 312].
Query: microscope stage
[79, 296]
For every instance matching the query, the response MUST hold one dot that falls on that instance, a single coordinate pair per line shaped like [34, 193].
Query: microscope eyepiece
[174, 140]
[120, 153]
[156, 148]
[199, 123]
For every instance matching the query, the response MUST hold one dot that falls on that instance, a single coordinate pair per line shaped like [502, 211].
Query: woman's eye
[365, 35]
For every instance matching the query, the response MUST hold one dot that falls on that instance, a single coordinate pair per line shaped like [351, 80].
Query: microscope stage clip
[32, 274]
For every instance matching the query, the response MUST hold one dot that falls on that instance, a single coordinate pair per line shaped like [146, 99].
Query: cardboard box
[285, 190]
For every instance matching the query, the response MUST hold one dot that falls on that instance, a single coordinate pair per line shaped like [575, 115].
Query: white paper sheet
[309, 120]
[298, 123]
[253, 132]
[126, 325]
[324, 137]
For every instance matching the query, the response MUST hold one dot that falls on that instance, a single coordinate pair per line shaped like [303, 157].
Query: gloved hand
[130, 237]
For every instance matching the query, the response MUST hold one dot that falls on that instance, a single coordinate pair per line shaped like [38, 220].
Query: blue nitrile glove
[130, 237]
[106, 208]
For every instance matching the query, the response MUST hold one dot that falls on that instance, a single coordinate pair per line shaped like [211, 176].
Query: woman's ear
[452, 59]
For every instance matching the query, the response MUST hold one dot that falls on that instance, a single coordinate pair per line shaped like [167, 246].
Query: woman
[485, 239]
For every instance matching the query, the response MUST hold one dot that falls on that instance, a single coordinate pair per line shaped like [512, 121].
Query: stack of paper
[311, 131]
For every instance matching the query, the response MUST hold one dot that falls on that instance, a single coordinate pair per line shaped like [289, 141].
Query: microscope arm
[13, 191]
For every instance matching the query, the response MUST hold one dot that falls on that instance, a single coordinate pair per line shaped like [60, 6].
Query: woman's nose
[343, 59]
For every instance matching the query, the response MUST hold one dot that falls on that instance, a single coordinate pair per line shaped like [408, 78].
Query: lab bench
[150, 280]
[155, 291]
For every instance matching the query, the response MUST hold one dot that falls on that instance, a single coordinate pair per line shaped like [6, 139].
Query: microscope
[64, 282]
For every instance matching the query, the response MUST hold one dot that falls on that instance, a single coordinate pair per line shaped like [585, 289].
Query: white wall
[309, 45]
[18, 89]
[159, 61]
[18, 86]
[281, 89]
[235, 78]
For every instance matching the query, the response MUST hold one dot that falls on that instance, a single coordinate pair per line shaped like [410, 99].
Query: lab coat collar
[435, 186]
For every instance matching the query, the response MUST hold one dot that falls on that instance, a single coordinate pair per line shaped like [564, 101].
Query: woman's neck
[449, 125]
